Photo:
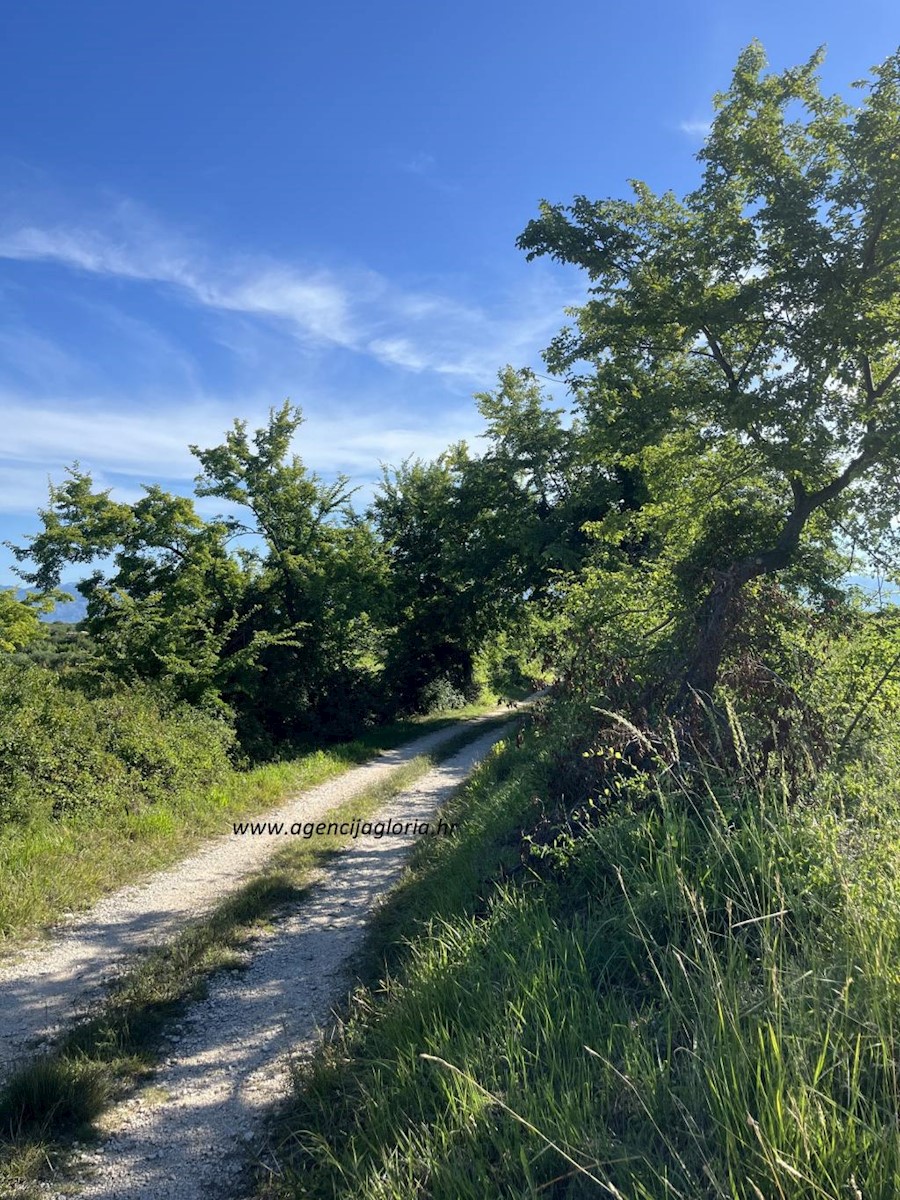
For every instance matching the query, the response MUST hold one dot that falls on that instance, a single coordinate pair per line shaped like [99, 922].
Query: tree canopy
[752, 330]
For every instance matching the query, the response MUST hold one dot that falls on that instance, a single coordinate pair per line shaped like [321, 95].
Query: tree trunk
[717, 611]
[716, 615]
[714, 624]
[713, 628]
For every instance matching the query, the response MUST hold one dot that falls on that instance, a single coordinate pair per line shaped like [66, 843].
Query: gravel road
[189, 1133]
[54, 982]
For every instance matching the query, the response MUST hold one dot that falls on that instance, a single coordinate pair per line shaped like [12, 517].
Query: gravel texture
[191, 1131]
[56, 981]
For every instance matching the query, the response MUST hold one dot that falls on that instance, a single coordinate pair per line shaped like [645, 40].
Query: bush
[441, 694]
[62, 753]
[165, 747]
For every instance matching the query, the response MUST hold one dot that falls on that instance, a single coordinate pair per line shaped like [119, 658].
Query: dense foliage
[294, 615]
[740, 349]
[63, 753]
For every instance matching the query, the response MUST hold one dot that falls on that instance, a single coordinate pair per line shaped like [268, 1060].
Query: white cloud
[22, 489]
[356, 310]
[152, 444]
[696, 128]
[400, 352]
[313, 303]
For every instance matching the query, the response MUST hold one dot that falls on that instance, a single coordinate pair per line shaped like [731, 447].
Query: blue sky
[209, 207]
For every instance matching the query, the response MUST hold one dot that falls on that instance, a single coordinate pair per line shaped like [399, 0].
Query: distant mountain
[877, 591]
[68, 611]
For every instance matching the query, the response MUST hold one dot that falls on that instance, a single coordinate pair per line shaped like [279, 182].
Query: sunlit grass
[689, 1000]
[52, 867]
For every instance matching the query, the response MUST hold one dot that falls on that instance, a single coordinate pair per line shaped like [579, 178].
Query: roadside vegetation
[690, 993]
[99, 792]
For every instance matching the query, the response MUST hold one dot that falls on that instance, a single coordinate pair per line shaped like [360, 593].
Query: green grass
[63, 1093]
[698, 996]
[54, 866]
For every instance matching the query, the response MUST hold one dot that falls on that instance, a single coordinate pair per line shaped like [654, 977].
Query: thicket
[63, 753]
[288, 621]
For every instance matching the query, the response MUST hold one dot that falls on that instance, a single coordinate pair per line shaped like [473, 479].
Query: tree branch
[872, 240]
[720, 358]
[749, 359]
[889, 379]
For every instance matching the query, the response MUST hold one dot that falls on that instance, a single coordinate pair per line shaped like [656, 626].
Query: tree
[435, 610]
[475, 542]
[19, 619]
[280, 631]
[754, 326]
[166, 600]
[319, 585]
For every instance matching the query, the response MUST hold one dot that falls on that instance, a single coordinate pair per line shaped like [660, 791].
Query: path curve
[53, 983]
[188, 1134]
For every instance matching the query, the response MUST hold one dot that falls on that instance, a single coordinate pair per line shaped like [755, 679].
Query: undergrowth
[693, 993]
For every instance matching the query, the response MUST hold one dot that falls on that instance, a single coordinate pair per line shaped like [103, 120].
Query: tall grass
[697, 996]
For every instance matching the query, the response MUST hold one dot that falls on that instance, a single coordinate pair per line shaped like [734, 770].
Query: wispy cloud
[132, 247]
[697, 129]
[37, 360]
[420, 164]
[141, 446]
[424, 167]
[356, 309]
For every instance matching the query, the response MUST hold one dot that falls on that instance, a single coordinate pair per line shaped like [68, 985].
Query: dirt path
[188, 1135]
[54, 982]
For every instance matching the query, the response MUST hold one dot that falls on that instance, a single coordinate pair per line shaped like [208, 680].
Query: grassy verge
[60, 1095]
[54, 866]
[696, 997]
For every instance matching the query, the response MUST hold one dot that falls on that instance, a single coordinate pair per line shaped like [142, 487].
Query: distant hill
[68, 612]
[877, 592]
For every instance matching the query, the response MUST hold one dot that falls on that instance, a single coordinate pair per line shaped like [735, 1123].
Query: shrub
[440, 694]
[62, 752]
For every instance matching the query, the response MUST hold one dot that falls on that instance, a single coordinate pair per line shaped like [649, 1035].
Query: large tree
[755, 324]
[280, 625]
